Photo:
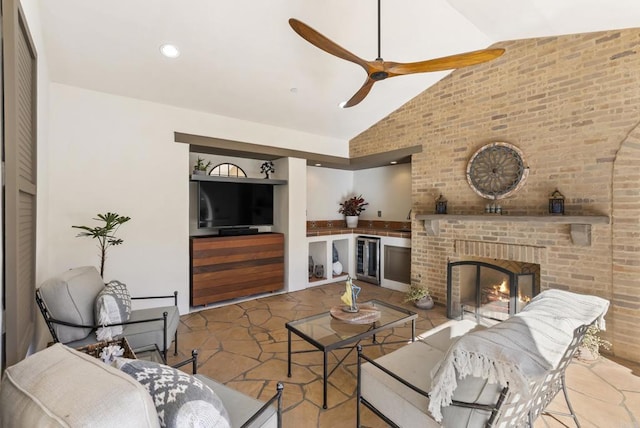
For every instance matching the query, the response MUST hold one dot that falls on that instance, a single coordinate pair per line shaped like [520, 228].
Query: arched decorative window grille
[227, 170]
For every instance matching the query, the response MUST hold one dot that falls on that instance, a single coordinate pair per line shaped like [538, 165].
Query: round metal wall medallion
[497, 170]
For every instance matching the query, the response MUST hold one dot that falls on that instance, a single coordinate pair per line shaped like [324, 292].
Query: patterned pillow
[113, 305]
[181, 400]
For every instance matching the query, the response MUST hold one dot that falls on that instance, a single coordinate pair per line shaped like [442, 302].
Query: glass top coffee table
[327, 333]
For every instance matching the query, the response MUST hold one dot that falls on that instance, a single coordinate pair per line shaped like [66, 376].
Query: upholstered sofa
[61, 387]
[466, 375]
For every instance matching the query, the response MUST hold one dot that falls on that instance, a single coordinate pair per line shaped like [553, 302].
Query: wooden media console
[227, 267]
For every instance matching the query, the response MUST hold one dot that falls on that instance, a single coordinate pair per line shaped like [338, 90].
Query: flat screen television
[231, 204]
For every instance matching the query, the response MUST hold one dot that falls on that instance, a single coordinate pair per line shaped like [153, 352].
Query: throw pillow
[113, 305]
[181, 400]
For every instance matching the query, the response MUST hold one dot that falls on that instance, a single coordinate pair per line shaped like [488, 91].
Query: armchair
[66, 302]
[60, 386]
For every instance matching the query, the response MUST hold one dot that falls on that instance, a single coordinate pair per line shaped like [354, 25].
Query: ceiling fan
[379, 69]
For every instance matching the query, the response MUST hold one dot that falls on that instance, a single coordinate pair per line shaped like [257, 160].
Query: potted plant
[105, 233]
[589, 349]
[201, 167]
[419, 296]
[351, 208]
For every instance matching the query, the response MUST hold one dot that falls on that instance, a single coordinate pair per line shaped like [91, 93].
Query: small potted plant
[351, 208]
[419, 296]
[200, 167]
[589, 349]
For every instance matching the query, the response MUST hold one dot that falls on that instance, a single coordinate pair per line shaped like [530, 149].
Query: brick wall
[572, 105]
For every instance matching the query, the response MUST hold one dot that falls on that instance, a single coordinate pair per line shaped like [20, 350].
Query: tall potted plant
[104, 233]
[351, 208]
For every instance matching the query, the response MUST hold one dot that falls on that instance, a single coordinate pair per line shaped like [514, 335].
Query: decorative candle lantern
[441, 205]
[556, 203]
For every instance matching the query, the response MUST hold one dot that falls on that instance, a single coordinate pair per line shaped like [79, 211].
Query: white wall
[111, 153]
[292, 199]
[326, 188]
[387, 189]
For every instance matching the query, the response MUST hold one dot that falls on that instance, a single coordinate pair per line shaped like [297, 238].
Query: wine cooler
[368, 259]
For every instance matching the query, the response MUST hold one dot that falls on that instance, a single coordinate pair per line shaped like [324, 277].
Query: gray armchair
[67, 305]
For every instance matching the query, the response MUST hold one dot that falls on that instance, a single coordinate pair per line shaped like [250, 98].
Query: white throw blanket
[519, 350]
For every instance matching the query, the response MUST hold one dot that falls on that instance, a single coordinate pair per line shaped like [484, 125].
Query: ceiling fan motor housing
[379, 75]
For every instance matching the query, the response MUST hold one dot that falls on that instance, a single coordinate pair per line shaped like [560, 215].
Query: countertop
[323, 231]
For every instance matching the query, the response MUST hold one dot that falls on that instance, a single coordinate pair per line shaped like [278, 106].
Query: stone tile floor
[244, 345]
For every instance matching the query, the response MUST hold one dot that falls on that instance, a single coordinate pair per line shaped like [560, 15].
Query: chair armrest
[70, 324]
[193, 360]
[403, 381]
[277, 397]
[173, 296]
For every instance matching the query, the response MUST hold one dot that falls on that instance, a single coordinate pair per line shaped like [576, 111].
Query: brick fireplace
[490, 288]
[570, 104]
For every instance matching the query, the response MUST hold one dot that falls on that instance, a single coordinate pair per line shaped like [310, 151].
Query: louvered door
[20, 77]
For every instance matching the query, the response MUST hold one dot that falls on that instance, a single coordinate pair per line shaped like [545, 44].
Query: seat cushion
[241, 407]
[60, 387]
[112, 306]
[149, 333]
[401, 404]
[181, 400]
[442, 336]
[70, 297]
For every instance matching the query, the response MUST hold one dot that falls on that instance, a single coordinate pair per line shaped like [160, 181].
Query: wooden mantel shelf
[580, 224]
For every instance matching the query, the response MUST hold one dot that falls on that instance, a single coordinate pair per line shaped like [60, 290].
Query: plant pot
[585, 354]
[352, 220]
[199, 172]
[424, 303]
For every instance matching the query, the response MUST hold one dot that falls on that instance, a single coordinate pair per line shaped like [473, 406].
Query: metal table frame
[374, 328]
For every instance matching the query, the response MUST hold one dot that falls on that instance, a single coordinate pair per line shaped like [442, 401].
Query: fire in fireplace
[494, 290]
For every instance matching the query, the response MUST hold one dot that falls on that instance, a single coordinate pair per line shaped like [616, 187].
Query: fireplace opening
[493, 290]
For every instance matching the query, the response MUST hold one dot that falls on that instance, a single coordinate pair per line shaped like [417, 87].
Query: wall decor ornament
[227, 170]
[497, 170]
[441, 205]
[337, 268]
[267, 168]
[556, 203]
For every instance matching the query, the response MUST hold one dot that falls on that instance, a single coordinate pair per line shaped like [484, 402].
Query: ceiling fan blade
[444, 63]
[320, 41]
[362, 92]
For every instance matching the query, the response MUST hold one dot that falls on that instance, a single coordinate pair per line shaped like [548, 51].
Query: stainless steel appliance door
[368, 259]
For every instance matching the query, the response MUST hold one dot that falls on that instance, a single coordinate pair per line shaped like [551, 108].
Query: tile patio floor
[244, 345]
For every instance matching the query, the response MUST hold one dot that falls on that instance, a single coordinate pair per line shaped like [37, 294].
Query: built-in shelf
[580, 224]
[203, 177]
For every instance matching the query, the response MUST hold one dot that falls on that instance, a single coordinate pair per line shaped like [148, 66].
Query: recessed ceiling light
[169, 50]
[294, 90]
[393, 162]
[342, 104]
[318, 164]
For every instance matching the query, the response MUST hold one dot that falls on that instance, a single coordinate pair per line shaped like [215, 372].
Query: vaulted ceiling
[241, 59]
